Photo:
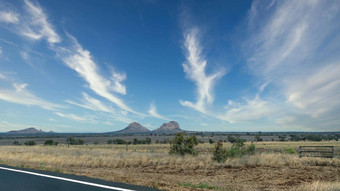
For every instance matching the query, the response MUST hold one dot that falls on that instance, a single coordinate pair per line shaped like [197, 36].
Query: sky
[96, 66]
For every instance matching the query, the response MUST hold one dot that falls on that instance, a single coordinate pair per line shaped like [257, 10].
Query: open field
[150, 165]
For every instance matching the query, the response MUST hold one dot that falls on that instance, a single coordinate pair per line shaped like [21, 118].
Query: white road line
[67, 179]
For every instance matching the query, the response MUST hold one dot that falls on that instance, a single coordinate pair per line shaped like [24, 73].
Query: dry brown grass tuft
[321, 186]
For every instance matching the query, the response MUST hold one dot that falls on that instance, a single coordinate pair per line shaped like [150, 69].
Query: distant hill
[133, 128]
[171, 127]
[30, 130]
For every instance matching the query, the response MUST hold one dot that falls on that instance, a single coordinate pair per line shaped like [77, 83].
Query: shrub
[237, 149]
[16, 143]
[220, 154]
[181, 146]
[118, 142]
[258, 138]
[30, 143]
[231, 139]
[73, 141]
[290, 150]
[211, 141]
[138, 142]
[50, 142]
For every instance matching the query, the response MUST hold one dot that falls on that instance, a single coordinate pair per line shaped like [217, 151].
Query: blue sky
[95, 66]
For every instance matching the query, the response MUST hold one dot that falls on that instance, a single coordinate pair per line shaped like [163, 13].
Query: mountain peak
[169, 128]
[30, 130]
[134, 127]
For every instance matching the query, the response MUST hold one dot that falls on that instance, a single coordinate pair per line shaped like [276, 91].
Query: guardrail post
[300, 155]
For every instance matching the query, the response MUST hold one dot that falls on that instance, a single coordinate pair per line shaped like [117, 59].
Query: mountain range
[30, 130]
[171, 127]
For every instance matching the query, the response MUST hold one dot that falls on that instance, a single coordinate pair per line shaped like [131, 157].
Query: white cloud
[20, 95]
[81, 61]
[91, 103]
[117, 79]
[2, 77]
[71, 116]
[9, 17]
[295, 46]
[316, 93]
[38, 26]
[0, 51]
[24, 55]
[195, 69]
[251, 110]
[153, 112]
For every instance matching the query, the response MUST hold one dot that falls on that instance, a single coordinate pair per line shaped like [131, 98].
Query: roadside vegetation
[190, 166]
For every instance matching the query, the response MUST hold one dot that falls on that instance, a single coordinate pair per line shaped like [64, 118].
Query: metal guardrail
[316, 151]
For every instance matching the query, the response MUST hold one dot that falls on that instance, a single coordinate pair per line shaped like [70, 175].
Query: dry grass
[263, 171]
[321, 186]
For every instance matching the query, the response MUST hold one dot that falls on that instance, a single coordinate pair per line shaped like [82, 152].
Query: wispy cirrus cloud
[37, 25]
[195, 69]
[153, 112]
[295, 45]
[2, 76]
[251, 110]
[81, 61]
[91, 103]
[20, 95]
[9, 17]
[71, 116]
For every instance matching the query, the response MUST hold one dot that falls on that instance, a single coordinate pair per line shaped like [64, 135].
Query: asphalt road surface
[20, 179]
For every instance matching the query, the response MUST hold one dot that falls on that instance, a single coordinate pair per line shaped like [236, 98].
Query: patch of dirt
[243, 178]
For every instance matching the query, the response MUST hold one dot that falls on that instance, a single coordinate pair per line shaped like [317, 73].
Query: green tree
[50, 142]
[148, 140]
[30, 143]
[220, 153]
[181, 146]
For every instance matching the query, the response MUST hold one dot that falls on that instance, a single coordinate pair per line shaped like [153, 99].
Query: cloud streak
[38, 26]
[153, 112]
[251, 110]
[20, 95]
[71, 116]
[195, 69]
[81, 61]
[91, 103]
[9, 17]
[295, 45]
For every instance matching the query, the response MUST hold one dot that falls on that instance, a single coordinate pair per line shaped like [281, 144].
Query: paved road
[20, 179]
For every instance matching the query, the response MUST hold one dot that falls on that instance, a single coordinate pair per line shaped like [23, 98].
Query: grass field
[151, 165]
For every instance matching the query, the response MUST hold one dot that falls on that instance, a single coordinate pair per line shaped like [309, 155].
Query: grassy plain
[151, 165]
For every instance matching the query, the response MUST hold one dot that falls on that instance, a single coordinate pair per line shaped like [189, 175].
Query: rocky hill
[30, 130]
[171, 127]
[133, 128]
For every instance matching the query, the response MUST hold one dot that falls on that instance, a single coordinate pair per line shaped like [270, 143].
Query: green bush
[73, 141]
[237, 149]
[50, 142]
[181, 146]
[139, 142]
[16, 143]
[219, 154]
[30, 143]
[290, 150]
